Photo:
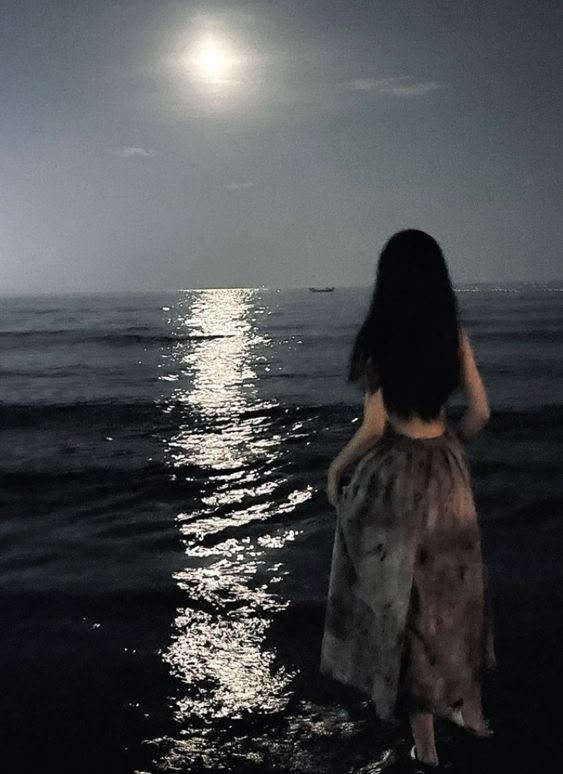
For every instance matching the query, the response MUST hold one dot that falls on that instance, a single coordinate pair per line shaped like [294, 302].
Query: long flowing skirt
[407, 622]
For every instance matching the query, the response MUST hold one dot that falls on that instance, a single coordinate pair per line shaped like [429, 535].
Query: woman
[406, 620]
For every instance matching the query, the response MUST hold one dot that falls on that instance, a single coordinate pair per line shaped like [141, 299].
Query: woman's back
[415, 427]
[471, 384]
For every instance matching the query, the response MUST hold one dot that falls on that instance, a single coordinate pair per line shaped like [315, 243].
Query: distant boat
[321, 290]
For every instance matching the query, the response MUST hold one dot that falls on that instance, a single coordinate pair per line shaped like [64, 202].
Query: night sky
[152, 145]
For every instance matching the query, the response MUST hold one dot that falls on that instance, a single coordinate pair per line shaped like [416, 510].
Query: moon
[213, 61]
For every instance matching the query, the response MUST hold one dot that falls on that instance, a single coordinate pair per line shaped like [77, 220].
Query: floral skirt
[407, 620]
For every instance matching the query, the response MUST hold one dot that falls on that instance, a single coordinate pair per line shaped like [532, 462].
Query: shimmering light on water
[217, 378]
[218, 645]
[221, 649]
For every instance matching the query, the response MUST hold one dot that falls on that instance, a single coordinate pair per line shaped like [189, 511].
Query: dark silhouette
[411, 329]
[407, 621]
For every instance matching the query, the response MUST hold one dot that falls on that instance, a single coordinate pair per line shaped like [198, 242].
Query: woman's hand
[333, 484]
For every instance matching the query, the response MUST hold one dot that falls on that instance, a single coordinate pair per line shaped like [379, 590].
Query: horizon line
[456, 285]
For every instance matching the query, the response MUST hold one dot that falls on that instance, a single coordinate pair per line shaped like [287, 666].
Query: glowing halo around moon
[213, 61]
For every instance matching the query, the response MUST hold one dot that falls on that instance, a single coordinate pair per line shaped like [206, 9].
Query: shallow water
[166, 536]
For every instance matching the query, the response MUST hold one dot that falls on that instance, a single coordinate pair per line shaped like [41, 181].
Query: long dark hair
[408, 343]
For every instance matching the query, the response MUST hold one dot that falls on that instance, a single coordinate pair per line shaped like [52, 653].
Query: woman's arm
[366, 435]
[478, 412]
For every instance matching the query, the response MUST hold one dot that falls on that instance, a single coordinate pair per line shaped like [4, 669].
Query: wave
[79, 413]
[73, 600]
[481, 329]
[90, 482]
[143, 413]
[122, 338]
[519, 335]
[139, 409]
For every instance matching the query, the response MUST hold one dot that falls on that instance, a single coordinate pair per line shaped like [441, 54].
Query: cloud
[129, 151]
[238, 186]
[412, 90]
[400, 87]
[364, 84]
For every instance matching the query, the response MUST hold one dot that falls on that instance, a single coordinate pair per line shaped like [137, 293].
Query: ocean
[166, 536]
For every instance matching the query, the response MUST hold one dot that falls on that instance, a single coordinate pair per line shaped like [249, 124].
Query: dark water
[166, 537]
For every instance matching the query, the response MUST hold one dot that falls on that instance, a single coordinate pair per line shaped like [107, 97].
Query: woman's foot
[427, 767]
[484, 731]
[472, 712]
[455, 715]
[422, 727]
[422, 765]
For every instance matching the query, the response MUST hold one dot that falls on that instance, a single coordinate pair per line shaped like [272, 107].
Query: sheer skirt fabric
[406, 620]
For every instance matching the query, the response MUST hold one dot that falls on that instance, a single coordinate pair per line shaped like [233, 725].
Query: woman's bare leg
[422, 726]
[472, 709]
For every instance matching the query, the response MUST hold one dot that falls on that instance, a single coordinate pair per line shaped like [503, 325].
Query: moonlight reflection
[227, 445]
[218, 362]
